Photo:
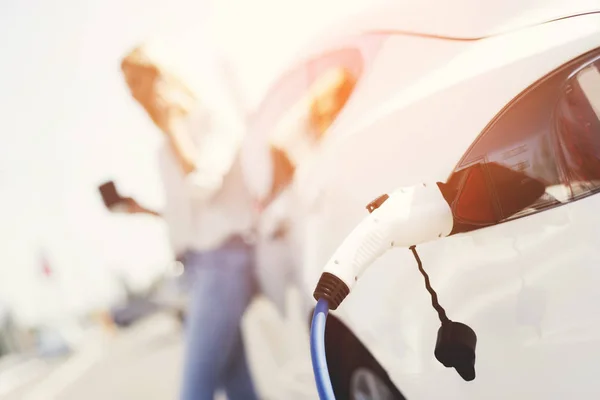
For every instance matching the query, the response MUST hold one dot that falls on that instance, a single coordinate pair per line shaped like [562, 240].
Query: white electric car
[453, 92]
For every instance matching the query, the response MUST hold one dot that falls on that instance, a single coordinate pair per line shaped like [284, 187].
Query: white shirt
[206, 207]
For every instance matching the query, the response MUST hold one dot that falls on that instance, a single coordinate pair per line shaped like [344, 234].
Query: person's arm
[172, 108]
[220, 133]
[133, 207]
[181, 142]
[206, 140]
[204, 162]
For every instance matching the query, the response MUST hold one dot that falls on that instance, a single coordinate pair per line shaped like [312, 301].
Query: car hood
[467, 19]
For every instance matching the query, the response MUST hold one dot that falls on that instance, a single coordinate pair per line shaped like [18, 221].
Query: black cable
[434, 300]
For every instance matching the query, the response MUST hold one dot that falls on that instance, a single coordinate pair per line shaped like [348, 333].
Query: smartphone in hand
[111, 197]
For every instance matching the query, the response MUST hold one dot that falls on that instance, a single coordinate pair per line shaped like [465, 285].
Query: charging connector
[408, 216]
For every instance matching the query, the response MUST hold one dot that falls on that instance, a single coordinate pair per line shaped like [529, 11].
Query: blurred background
[69, 269]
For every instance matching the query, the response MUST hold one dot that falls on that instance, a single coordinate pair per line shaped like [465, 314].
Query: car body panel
[444, 84]
[527, 286]
[464, 19]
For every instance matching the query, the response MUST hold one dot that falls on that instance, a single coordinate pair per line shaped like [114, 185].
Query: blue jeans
[223, 285]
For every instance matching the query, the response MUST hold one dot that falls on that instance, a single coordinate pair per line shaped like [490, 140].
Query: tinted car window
[304, 101]
[578, 128]
[284, 103]
[540, 151]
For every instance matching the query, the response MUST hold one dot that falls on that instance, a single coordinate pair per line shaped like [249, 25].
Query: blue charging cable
[317, 351]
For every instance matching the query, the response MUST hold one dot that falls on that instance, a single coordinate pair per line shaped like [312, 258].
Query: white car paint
[528, 287]
[465, 19]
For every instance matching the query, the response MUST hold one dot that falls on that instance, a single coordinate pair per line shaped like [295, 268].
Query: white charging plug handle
[410, 216]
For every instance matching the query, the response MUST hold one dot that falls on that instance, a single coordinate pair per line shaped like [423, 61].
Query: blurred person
[209, 215]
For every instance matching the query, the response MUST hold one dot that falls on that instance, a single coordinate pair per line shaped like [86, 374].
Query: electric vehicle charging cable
[317, 351]
[407, 217]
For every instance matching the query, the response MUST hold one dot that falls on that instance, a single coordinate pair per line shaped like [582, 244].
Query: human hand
[127, 205]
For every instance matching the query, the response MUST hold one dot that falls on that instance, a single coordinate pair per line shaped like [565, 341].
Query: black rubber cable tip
[455, 348]
[332, 289]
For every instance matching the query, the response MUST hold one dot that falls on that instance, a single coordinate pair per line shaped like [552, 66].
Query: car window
[541, 151]
[301, 106]
[578, 128]
[293, 85]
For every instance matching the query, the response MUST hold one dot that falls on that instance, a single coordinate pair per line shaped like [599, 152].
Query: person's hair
[139, 61]
[138, 56]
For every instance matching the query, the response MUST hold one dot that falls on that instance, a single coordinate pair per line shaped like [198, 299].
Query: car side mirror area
[486, 193]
